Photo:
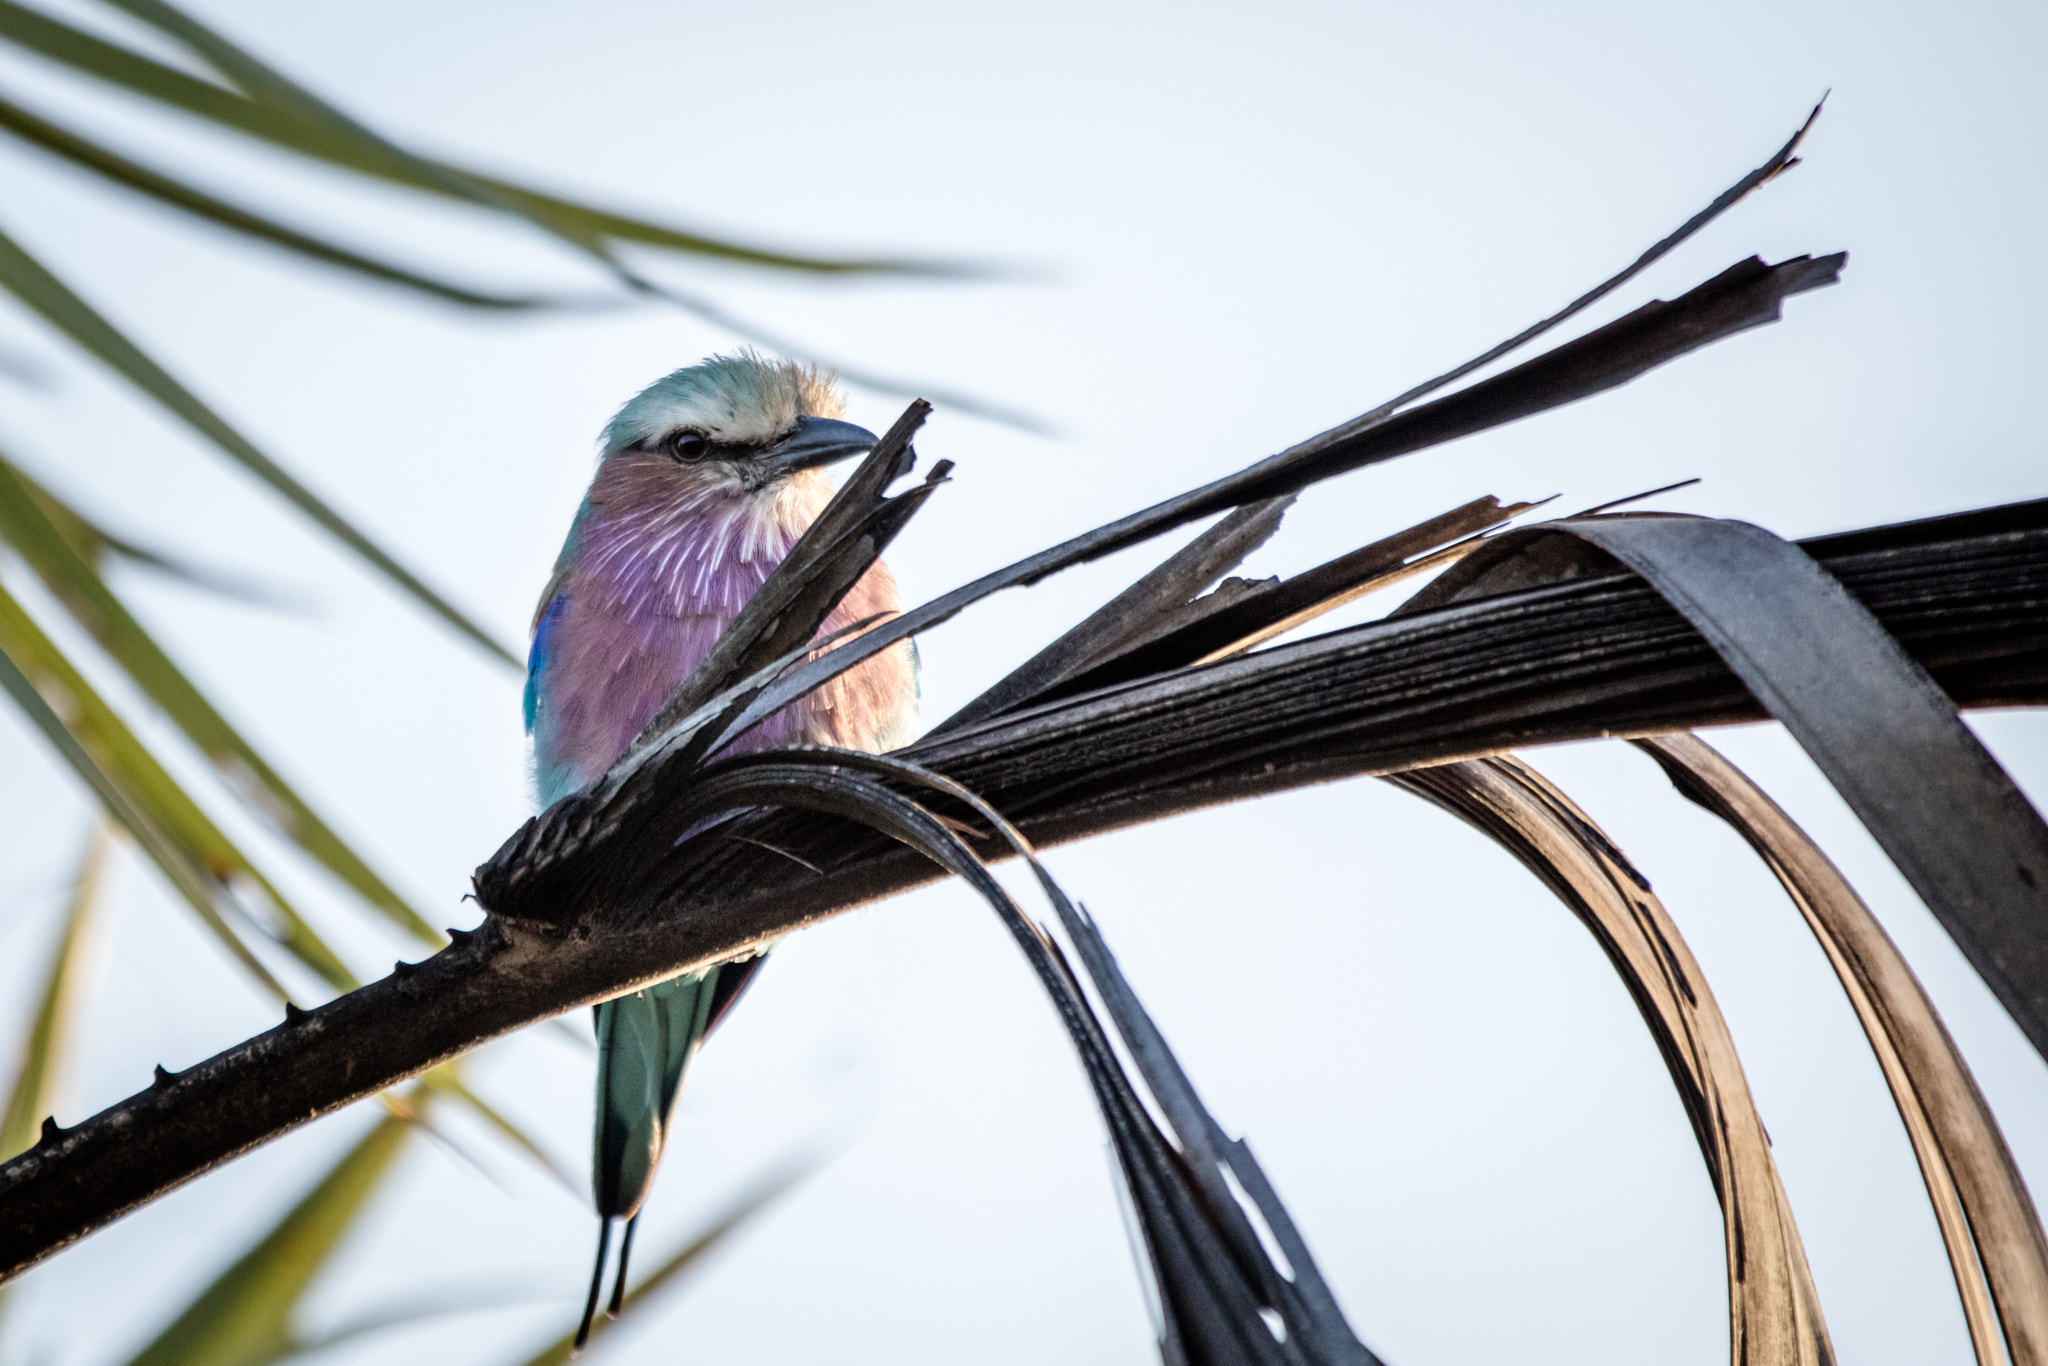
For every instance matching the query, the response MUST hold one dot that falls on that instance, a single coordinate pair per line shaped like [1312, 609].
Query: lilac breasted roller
[705, 480]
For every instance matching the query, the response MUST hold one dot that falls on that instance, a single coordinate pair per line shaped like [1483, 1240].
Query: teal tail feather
[645, 1042]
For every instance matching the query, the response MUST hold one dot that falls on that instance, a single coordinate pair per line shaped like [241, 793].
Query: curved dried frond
[1870, 716]
[1987, 1220]
[1774, 1312]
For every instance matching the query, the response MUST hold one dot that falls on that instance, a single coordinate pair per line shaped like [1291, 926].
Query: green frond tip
[60, 1006]
[27, 279]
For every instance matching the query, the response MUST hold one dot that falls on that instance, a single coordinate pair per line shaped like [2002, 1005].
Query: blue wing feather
[537, 656]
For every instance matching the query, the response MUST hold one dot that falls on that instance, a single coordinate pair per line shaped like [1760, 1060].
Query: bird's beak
[816, 441]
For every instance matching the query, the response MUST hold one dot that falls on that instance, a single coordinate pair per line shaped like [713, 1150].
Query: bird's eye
[686, 445]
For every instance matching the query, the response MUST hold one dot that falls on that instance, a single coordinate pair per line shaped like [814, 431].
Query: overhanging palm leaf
[290, 125]
[111, 165]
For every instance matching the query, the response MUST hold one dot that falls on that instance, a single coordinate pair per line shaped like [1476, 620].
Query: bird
[704, 480]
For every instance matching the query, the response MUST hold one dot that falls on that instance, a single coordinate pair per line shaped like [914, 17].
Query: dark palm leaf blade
[73, 581]
[24, 277]
[1987, 1221]
[1875, 723]
[1312, 1312]
[1967, 595]
[1307, 1307]
[1214, 1280]
[47, 1051]
[1179, 580]
[1211, 1309]
[1746, 295]
[246, 1317]
[292, 129]
[165, 189]
[1267, 610]
[1775, 1316]
[684, 1259]
[1286, 605]
[95, 544]
[206, 868]
[1779, 162]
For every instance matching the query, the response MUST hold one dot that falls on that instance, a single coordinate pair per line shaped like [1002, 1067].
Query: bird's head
[742, 426]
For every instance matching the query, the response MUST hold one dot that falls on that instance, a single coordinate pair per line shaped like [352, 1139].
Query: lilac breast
[655, 572]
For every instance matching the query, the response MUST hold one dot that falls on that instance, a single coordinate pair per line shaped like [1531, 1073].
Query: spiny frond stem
[1968, 597]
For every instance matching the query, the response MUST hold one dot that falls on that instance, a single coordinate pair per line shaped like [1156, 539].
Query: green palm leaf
[52, 1033]
[26, 278]
[203, 865]
[347, 139]
[246, 1317]
[73, 580]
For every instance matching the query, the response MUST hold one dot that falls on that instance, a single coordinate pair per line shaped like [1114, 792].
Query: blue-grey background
[1245, 223]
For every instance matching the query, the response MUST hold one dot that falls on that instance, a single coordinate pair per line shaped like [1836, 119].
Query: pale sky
[1241, 225]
